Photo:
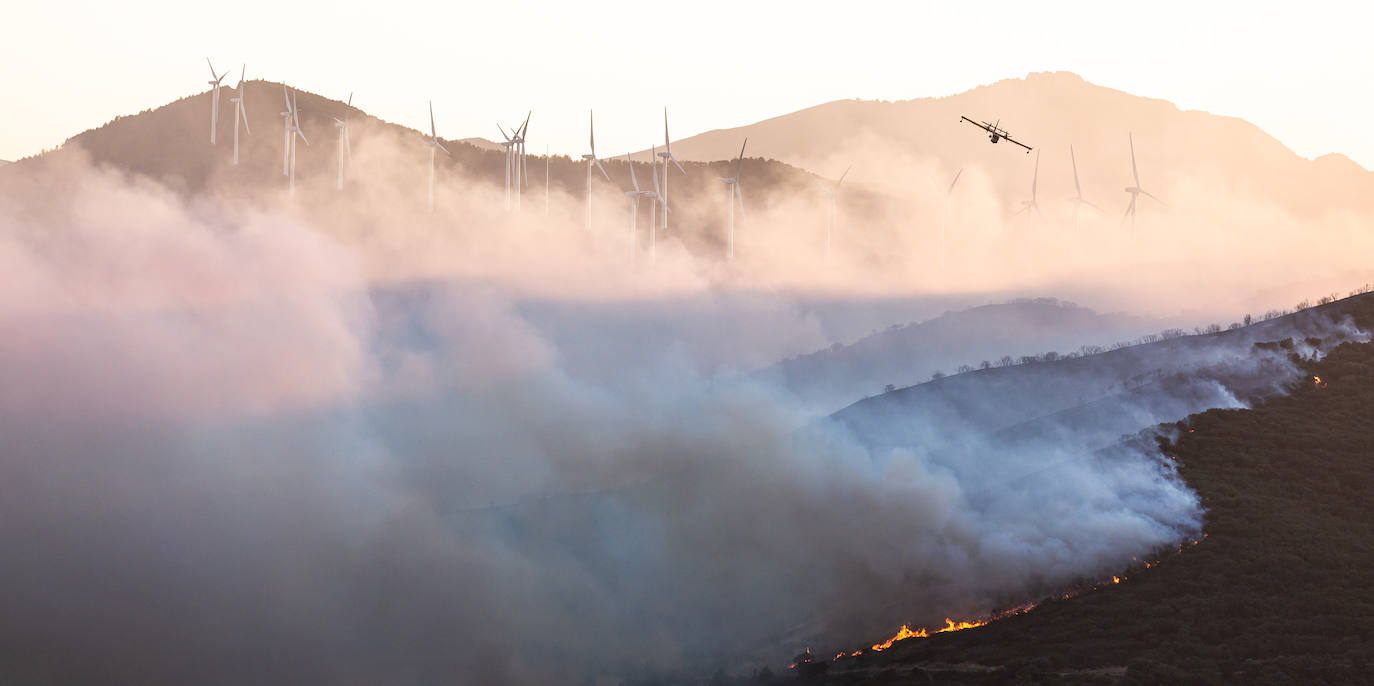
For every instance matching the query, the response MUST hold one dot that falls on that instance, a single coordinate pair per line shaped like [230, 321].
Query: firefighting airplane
[995, 134]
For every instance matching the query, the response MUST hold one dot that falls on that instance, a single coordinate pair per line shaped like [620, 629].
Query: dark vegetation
[1276, 593]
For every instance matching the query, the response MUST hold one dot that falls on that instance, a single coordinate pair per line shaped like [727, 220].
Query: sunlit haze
[975, 343]
[1303, 76]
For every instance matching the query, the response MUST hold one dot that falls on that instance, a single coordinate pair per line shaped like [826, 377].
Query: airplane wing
[981, 126]
[1012, 140]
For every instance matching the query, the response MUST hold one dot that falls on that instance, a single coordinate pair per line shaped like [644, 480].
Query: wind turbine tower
[591, 160]
[1077, 199]
[240, 113]
[1136, 191]
[433, 144]
[830, 193]
[733, 194]
[214, 99]
[634, 195]
[295, 128]
[667, 156]
[1028, 205]
[345, 148]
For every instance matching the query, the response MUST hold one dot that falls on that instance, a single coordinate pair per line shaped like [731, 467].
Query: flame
[904, 632]
[1317, 380]
[950, 625]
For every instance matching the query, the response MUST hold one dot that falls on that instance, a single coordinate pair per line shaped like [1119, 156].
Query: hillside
[1270, 595]
[887, 141]
[169, 144]
[1180, 371]
[905, 355]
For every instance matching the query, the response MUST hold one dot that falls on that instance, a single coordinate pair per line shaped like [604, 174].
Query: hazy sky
[1305, 73]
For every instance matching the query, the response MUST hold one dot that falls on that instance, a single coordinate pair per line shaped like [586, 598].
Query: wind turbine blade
[348, 147]
[667, 147]
[1095, 207]
[432, 133]
[1130, 209]
[286, 97]
[1134, 173]
[739, 161]
[243, 111]
[1076, 188]
[1035, 180]
[633, 180]
[1152, 196]
[603, 169]
[653, 160]
[956, 180]
[503, 132]
[739, 194]
[350, 101]
[526, 126]
[846, 173]
[440, 146]
[212, 67]
[302, 135]
[679, 165]
[242, 71]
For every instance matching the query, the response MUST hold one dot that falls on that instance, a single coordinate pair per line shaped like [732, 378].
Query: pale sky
[1303, 73]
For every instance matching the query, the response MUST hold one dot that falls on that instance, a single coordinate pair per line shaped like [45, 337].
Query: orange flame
[904, 632]
[950, 625]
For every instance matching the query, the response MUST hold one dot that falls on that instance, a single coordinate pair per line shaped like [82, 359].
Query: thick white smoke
[230, 454]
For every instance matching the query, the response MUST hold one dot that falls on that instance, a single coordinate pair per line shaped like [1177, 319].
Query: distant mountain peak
[1337, 160]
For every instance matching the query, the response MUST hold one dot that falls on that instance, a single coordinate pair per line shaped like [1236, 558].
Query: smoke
[317, 443]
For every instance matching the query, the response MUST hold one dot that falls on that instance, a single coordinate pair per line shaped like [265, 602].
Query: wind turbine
[1135, 190]
[433, 143]
[214, 99]
[945, 220]
[240, 113]
[634, 196]
[522, 172]
[733, 192]
[655, 198]
[1077, 199]
[508, 145]
[1028, 205]
[286, 135]
[293, 127]
[591, 160]
[667, 156]
[830, 192]
[345, 148]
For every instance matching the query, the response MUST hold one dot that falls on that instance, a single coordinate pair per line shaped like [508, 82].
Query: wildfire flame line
[951, 625]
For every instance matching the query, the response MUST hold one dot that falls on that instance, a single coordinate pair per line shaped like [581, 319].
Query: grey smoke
[230, 456]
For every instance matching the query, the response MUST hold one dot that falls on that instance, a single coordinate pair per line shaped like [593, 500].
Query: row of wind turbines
[1135, 191]
[291, 133]
[516, 174]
